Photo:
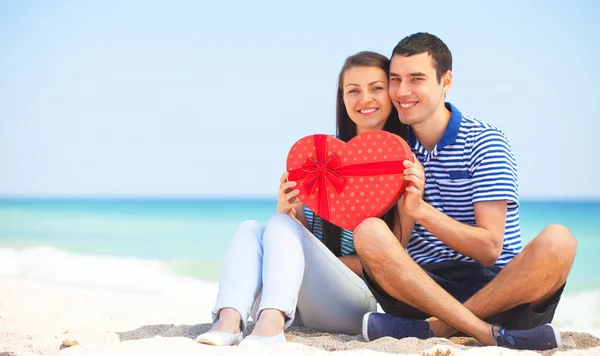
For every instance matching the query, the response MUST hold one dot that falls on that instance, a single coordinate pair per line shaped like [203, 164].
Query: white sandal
[253, 340]
[220, 338]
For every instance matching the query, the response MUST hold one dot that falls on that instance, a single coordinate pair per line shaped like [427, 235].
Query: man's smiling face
[415, 89]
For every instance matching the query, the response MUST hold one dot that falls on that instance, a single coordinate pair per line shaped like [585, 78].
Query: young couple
[447, 258]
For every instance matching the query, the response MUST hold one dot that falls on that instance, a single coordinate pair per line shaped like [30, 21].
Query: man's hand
[413, 197]
[287, 199]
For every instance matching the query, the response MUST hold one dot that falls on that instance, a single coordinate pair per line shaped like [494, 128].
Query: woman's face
[366, 97]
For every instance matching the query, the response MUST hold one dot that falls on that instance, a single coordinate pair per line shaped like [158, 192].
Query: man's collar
[450, 133]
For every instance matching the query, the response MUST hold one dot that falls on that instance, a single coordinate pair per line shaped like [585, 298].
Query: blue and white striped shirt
[473, 162]
[317, 230]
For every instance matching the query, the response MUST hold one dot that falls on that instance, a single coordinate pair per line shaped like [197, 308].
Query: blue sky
[195, 99]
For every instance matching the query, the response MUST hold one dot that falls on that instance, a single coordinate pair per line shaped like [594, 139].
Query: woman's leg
[241, 279]
[283, 269]
[332, 298]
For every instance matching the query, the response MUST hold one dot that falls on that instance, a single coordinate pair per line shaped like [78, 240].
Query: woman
[301, 262]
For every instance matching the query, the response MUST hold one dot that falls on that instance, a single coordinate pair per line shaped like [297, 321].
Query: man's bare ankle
[440, 328]
[488, 335]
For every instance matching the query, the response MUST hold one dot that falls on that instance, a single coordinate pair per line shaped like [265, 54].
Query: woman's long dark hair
[346, 130]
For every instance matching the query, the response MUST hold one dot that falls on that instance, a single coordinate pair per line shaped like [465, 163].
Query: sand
[39, 318]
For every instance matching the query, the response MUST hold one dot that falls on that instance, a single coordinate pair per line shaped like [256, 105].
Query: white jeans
[294, 270]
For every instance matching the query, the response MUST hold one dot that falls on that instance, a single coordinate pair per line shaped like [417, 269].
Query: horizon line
[5, 199]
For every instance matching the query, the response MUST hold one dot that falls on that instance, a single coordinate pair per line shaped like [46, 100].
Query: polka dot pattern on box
[346, 183]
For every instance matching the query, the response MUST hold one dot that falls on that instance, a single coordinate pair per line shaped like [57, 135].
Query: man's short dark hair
[422, 42]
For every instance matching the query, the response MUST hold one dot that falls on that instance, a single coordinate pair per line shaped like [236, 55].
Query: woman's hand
[287, 199]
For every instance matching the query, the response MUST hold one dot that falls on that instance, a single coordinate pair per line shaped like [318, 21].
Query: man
[464, 268]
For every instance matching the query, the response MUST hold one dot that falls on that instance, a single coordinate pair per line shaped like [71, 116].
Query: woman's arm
[288, 202]
[404, 227]
[299, 215]
[353, 262]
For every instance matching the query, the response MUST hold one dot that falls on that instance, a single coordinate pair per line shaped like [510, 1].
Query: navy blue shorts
[462, 280]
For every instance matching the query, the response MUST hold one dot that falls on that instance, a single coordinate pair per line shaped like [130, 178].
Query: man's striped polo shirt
[473, 162]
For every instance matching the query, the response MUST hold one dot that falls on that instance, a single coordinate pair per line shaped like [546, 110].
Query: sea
[177, 246]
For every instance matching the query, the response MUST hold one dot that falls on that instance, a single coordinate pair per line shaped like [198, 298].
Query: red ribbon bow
[319, 171]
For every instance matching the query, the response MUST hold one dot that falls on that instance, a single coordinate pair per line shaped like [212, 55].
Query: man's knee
[370, 236]
[557, 241]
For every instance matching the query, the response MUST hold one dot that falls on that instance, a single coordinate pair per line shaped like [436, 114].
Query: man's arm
[494, 186]
[482, 242]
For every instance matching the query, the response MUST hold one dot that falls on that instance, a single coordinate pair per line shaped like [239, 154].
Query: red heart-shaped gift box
[345, 183]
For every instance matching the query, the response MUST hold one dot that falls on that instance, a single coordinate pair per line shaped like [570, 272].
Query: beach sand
[39, 318]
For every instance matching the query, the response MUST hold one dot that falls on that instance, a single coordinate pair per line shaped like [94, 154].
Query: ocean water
[159, 246]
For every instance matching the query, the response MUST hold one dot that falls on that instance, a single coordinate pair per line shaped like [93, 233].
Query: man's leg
[534, 276]
[390, 266]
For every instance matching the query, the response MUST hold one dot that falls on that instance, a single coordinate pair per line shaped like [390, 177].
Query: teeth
[407, 105]
[367, 111]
